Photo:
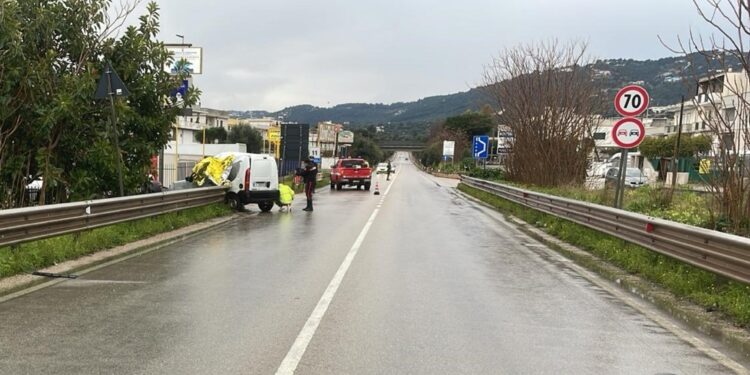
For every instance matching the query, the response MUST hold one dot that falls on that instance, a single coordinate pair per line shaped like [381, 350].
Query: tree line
[51, 127]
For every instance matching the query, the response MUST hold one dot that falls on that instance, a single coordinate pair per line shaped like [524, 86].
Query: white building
[185, 147]
[717, 97]
[189, 129]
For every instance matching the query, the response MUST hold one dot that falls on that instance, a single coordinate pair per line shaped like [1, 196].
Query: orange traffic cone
[377, 188]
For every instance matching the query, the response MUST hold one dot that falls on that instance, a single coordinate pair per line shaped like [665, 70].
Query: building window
[703, 126]
[696, 126]
[730, 114]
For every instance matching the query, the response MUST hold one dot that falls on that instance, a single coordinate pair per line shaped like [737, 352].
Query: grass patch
[701, 287]
[687, 207]
[289, 181]
[34, 255]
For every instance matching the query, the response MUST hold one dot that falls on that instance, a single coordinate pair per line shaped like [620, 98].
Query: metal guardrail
[33, 223]
[724, 254]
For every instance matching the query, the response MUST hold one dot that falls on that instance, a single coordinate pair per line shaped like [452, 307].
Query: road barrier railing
[33, 223]
[724, 254]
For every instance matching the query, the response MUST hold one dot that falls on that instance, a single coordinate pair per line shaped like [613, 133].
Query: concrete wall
[194, 151]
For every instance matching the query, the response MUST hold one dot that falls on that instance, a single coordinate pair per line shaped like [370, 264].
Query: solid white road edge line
[293, 357]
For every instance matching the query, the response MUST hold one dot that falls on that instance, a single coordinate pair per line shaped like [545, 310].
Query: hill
[661, 77]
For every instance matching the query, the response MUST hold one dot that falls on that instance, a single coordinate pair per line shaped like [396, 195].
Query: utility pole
[676, 149]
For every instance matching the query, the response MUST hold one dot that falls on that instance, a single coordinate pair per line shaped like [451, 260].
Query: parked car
[598, 169]
[633, 177]
[351, 172]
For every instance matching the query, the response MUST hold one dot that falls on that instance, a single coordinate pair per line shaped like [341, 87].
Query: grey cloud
[272, 54]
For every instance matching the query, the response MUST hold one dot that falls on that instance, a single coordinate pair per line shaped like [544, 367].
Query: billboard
[346, 136]
[326, 132]
[274, 134]
[193, 57]
[448, 148]
[294, 146]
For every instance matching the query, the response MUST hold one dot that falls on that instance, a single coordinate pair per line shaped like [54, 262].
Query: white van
[254, 178]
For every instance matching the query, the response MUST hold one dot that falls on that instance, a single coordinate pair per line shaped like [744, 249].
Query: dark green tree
[690, 146]
[470, 123]
[366, 148]
[247, 135]
[215, 135]
[50, 126]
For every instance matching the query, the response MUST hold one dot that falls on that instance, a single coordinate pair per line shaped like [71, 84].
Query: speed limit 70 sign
[631, 100]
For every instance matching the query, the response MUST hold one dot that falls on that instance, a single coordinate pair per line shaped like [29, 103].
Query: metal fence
[176, 173]
[724, 254]
[33, 223]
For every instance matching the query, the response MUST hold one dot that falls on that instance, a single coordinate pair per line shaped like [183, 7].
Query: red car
[351, 172]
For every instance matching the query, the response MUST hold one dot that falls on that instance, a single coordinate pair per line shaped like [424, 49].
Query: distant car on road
[383, 168]
[633, 177]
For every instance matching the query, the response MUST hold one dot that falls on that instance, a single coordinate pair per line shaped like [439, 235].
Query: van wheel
[265, 206]
[338, 186]
[367, 186]
[234, 202]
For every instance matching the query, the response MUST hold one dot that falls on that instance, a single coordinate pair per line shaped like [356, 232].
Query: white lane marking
[293, 357]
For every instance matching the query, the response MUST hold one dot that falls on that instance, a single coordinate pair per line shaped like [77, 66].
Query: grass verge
[706, 289]
[44, 253]
[289, 181]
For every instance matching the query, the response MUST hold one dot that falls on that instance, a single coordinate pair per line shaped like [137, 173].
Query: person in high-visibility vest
[286, 196]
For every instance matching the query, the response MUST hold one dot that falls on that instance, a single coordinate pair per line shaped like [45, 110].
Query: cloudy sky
[278, 53]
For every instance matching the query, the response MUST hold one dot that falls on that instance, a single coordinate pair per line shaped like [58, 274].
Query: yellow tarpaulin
[214, 169]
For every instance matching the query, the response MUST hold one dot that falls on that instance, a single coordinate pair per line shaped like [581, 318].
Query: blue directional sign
[481, 146]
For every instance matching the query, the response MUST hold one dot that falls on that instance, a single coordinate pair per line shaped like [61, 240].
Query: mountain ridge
[662, 78]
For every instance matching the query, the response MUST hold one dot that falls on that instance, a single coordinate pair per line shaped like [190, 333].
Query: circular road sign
[631, 100]
[628, 132]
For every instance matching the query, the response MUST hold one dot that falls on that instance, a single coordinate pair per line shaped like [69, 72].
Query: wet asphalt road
[439, 285]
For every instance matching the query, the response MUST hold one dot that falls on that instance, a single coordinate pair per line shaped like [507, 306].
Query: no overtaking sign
[628, 132]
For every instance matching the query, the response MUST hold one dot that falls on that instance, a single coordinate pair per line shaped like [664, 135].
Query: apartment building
[714, 111]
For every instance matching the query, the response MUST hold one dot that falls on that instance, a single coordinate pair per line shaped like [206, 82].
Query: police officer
[309, 177]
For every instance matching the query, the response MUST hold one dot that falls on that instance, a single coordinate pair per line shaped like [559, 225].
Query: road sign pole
[676, 150]
[620, 192]
[116, 135]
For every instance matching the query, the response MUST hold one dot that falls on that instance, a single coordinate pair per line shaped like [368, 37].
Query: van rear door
[262, 174]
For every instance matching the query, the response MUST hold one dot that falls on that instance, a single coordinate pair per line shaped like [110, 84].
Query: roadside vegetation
[299, 188]
[701, 287]
[53, 57]
[31, 256]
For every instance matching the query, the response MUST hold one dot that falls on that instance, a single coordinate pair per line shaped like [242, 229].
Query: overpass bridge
[402, 145]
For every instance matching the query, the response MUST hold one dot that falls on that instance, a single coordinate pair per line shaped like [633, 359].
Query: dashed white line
[293, 357]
